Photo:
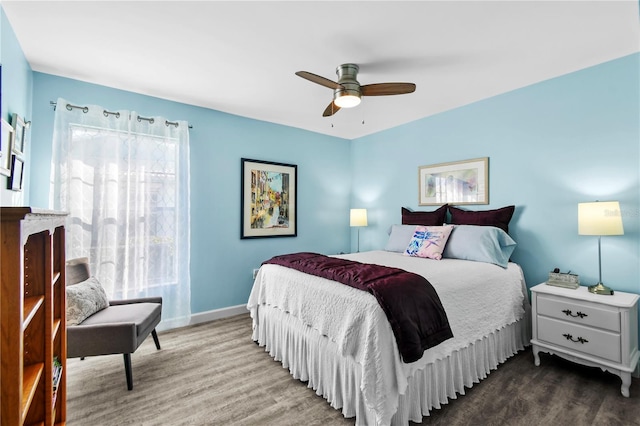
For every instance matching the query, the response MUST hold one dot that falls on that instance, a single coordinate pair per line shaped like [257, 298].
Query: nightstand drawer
[579, 312]
[590, 341]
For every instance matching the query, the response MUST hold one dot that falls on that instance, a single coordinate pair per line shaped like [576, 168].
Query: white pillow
[399, 237]
[480, 243]
[85, 299]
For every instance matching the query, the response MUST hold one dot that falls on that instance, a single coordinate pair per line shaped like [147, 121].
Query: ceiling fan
[347, 91]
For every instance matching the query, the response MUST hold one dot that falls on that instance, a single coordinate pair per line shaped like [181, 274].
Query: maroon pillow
[499, 217]
[434, 218]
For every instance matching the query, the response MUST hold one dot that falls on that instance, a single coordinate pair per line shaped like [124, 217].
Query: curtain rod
[106, 113]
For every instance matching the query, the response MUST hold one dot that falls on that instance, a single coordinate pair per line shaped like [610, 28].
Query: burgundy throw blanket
[410, 302]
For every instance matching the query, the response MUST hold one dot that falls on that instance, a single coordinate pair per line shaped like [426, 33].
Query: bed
[339, 340]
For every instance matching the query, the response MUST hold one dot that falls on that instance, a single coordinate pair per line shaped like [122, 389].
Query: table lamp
[600, 218]
[358, 217]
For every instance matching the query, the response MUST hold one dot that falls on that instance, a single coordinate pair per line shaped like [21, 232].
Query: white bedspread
[479, 298]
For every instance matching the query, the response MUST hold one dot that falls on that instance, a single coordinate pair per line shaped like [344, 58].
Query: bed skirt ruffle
[314, 358]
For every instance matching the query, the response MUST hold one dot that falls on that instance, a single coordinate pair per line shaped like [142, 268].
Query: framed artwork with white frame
[5, 148]
[19, 134]
[458, 182]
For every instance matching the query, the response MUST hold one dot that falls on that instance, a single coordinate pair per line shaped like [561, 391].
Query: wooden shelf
[56, 277]
[31, 306]
[32, 312]
[30, 378]
[55, 328]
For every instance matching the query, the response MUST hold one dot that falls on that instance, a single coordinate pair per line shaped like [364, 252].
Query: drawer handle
[578, 314]
[579, 339]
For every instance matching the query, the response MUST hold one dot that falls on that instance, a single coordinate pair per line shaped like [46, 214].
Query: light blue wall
[551, 145]
[17, 85]
[221, 263]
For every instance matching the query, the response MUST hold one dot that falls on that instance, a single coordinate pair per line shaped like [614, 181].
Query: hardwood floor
[213, 374]
[558, 392]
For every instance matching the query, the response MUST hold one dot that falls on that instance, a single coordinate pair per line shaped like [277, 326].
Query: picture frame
[17, 173]
[5, 148]
[458, 182]
[19, 134]
[269, 199]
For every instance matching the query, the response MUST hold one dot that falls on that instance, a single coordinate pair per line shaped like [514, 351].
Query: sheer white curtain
[124, 179]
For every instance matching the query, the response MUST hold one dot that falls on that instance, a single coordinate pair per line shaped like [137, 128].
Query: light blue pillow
[480, 243]
[399, 237]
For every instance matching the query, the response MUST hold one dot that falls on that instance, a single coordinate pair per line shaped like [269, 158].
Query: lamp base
[600, 289]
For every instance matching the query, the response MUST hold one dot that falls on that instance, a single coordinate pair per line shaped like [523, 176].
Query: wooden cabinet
[32, 314]
[590, 329]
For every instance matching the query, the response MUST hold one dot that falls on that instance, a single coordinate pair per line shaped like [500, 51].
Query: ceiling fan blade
[319, 80]
[382, 89]
[331, 109]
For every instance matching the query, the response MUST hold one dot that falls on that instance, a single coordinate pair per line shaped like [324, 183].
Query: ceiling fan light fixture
[347, 101]
[347, 91]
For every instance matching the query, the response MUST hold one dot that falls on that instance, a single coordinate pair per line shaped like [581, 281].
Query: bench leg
[127, 371]
[155, 338]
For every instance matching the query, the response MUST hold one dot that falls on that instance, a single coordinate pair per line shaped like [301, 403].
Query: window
[124, 182]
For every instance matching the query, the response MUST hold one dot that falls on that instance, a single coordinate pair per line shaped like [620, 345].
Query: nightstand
[586, 328]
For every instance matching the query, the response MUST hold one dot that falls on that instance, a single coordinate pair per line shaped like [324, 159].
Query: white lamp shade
[600, 218]
[358, 217]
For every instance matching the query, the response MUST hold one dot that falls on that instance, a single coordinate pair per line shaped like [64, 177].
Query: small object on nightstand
[563, 279]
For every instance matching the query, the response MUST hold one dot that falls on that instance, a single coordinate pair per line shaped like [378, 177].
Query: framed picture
[17, 172]
[459, 182]
[19, 134]
[268, 199]
[5, 148]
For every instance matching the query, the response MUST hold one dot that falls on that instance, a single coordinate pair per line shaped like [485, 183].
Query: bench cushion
[141, 314]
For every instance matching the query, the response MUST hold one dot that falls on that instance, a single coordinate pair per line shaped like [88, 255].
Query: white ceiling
[240, 57]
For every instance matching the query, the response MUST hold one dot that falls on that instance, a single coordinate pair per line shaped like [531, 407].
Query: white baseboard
[215, 314]
[201, 317]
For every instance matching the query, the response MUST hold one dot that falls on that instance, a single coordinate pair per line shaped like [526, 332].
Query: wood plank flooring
[213, 374]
